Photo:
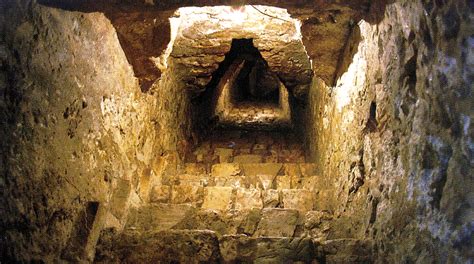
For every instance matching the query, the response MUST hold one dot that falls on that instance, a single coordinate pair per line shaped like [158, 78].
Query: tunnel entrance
[248, 94]
[255, 82]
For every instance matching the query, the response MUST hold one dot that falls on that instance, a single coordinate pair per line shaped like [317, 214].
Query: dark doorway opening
[255, 83]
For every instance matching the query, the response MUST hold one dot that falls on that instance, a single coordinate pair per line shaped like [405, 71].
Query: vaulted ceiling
[143, 28]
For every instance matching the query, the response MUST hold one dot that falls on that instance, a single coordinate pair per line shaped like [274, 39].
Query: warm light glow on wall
[348, 84]
[237, 14]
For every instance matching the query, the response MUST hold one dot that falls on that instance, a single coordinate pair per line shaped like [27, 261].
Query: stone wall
[77, 133]
[393, 137]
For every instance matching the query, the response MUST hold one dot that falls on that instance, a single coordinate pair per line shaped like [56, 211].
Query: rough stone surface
[225, 169]
[157, 216]
[75, 130]
[392, 137]
[187, 193]
[344, 251]
[248, 158]
[302, 200]
[248, 199]
[251, 169]
[277, 223]
[266, 250]
[271, 198]
[170, 246]
[218, 198]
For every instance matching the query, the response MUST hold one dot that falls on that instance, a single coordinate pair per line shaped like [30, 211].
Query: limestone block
[249, 224]
[244, 249]
[218, 198]
[308, 169]
[168, 246]
[261, 168]
[231, 181]
[271, 198]
[277, 222]
[185, 193]
[160, 194]
[296, 182]
[225, 170]
[344, 250]
[302, 200]
[224, 154]
[197, 180]
[324, 199]
[248, 199]
[248, 158]
[283, 182]
[157, 216]
[309, 183]
[205, 219]
[317, 224]
[291, 169]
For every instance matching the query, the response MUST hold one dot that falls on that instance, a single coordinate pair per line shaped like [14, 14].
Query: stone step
[226, 193]
[252, 169]
[243, 249]
[345, 250]
[157, 216]
[254, 153]
[204, 246]
[253, 222]
[166, 246]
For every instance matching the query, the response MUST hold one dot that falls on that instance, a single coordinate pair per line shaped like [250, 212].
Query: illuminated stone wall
[76, 130]
[393, 137]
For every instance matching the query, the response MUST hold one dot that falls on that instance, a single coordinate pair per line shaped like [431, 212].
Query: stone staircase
[240, 197]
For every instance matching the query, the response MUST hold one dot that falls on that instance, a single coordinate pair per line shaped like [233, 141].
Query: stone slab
[231, 181]
[246, 199]
[277, 222]
[225, 170]
[248, 158]
[308, 169]
[195, 179]
[283, 182]
[244, 249]
[271, 198]
[224, 154]
[261, 168]
[157, 216]
[187, 193]
[217, 198]
[302, 200]
[167, 246]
